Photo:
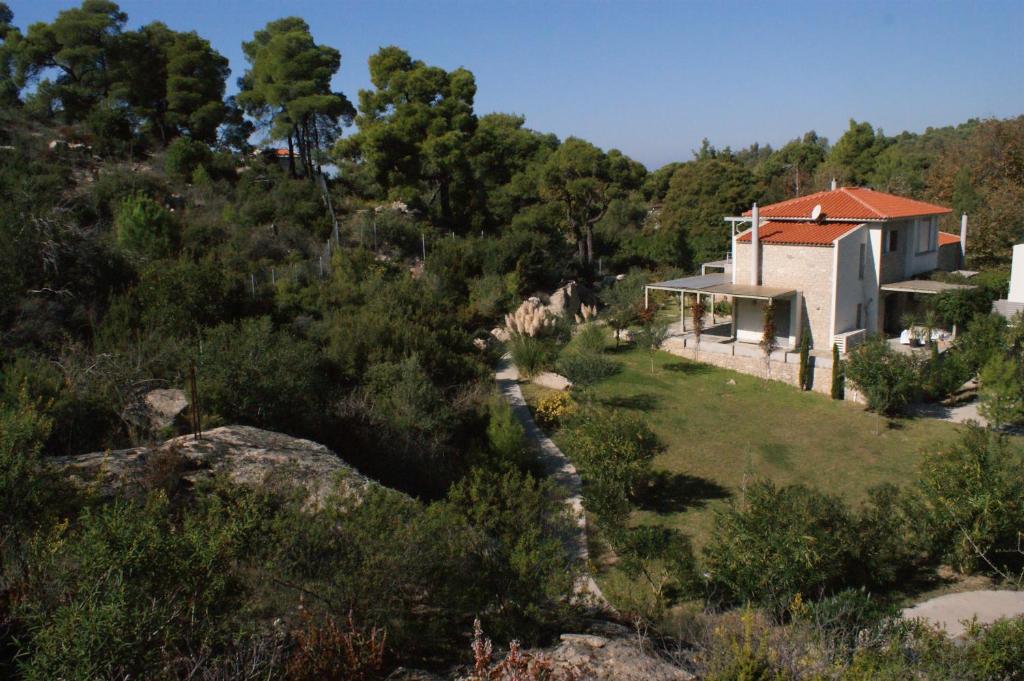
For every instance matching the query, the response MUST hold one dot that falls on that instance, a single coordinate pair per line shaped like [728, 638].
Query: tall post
[755, 246]
[423, 241]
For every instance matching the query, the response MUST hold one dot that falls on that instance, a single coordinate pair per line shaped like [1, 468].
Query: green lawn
[718, 435]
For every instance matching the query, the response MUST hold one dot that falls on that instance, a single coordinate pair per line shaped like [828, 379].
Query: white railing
[848, 340]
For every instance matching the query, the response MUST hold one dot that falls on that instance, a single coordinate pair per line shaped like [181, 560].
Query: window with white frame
[892, 242]
[927, 235]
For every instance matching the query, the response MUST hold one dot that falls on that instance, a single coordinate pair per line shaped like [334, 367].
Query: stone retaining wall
[749, 359]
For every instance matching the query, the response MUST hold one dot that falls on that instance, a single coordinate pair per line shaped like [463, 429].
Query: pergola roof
[692, 284]
[750, 291]
[925, 286]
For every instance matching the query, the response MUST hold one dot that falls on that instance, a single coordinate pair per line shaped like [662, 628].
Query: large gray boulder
[565, 302]
[157, 409]
[242, 454]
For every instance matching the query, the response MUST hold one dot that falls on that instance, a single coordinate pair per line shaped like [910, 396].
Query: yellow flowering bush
[554, 408]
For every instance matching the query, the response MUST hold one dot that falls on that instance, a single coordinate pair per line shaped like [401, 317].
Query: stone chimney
[963, 240]
[755, 246]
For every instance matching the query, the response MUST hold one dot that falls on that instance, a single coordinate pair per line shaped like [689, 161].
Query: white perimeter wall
[1017, 275]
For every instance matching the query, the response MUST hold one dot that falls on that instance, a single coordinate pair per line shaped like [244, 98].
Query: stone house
[838, 264]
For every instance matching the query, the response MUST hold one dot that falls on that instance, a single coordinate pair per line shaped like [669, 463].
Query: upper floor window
[863, 261]
[893, 241]
[927, 235]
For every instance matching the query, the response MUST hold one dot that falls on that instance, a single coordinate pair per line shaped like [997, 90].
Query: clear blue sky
[654, 78]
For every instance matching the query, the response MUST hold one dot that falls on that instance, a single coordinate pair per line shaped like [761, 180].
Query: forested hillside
[323, 262]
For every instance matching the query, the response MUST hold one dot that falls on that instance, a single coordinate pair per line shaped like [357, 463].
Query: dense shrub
[554, 409]
[613, 451]
[888, 379]
[505, 434]
[973, 496]
[661, 561]
[997, 651]
[130, 588]
[531, 355]
[525, 570]
[184, 156]
[584, 368]
[590, 338]
[778, 542]
[249, 373]
[146, 228]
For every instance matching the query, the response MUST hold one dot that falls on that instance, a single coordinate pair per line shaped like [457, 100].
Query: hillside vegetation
[341, 289]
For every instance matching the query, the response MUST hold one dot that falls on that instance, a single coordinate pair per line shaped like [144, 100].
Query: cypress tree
[804, 378]
[837, 374]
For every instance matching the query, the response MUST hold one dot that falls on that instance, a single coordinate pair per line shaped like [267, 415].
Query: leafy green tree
[661, 559]
[652, 334]
[146, 228]
[789, 172]
[854, 156]
[582, 180]
[700, 193]
[414, 133]
[174, 82]
[623, 300]
[1001, 390]
[77, 46]
[287, 88]
[10, 36]
[613, 450]
[959, 306]
[505, 157]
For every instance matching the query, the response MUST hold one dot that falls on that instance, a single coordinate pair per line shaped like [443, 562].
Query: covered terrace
[902, 299]
[748, 301]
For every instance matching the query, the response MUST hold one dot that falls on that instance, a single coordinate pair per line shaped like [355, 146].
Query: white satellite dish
[816, 212]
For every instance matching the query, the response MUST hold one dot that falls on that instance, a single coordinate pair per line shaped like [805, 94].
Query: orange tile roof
[800, 233]
[945, 239]
[851, 203]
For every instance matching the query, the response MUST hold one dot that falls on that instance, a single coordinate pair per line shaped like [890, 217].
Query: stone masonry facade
[807, 269]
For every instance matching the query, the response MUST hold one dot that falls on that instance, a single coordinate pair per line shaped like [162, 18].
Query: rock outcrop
[242, 454]
[156, 410]
[551, 380]
[616, 658]
[611, 654]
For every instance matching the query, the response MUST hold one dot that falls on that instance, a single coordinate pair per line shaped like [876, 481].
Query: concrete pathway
[558, 467]
[961, 413]
[949, 612]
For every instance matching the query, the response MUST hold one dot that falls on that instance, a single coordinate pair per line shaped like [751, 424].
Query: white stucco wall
[851, 290]
[1017, 275]
[922, 250]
